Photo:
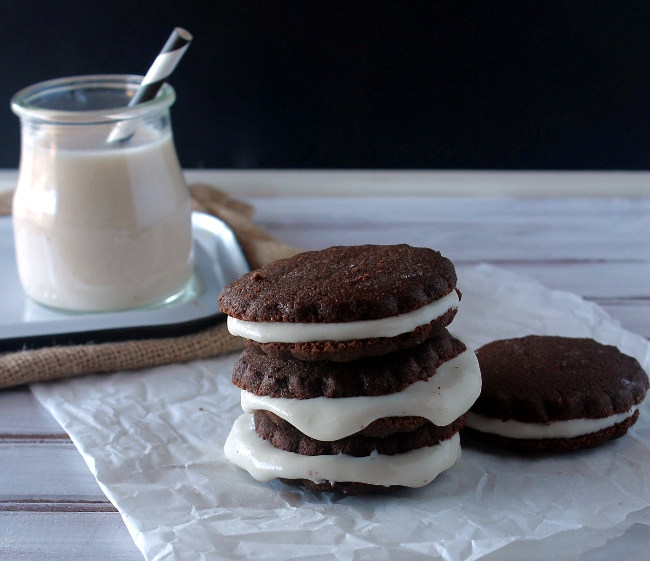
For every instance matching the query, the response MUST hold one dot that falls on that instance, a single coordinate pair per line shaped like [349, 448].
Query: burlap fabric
[54, 363]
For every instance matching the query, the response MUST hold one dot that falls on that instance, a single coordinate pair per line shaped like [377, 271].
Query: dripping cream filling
[264, 462]
[441, 399]
[555, 429]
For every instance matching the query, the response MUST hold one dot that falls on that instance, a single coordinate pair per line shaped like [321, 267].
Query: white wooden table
[588, 233]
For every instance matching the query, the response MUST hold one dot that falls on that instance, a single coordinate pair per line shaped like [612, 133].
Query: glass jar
[101, 213]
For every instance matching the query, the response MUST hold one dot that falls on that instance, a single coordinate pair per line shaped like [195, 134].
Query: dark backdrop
[363, 84]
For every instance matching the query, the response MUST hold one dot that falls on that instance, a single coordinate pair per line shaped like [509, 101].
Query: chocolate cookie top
[539, 379]
[341, 284]
[265, 375]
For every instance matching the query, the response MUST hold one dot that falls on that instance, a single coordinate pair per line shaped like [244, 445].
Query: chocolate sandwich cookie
[344, 302]
[547, 394]
[266, 458]
[417, 433]
[438, 380]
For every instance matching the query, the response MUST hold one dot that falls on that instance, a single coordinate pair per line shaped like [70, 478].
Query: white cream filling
[556, 429]
[285, 332]
[264, 462]
[444, 397]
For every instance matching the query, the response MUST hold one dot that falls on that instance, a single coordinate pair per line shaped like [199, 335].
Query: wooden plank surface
[65, 535]
[51, 508]
[454, 183]
[21, 416]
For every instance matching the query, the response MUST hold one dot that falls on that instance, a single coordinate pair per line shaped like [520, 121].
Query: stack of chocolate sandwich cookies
[350, 380]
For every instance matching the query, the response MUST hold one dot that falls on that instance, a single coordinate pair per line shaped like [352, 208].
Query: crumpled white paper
[154, 441]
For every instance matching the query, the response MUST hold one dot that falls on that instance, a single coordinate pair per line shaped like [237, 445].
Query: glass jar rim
[22, 103]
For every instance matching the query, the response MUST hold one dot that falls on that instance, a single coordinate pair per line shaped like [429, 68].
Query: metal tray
[26, 324]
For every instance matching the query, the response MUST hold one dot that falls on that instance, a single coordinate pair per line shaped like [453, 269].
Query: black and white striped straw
[163, 66]
[158, 72]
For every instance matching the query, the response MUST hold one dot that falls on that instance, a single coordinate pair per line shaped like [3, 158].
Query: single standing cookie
[549, 394]
[344, 302]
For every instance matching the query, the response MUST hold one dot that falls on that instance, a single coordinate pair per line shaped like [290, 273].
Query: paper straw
[163, 66]
[158, 72]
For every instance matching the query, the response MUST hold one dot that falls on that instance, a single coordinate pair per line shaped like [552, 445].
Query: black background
[363, 84]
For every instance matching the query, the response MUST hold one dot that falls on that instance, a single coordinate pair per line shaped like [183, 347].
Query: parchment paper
[154, 439]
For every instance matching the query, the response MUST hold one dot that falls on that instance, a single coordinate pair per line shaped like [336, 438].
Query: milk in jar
[101, 225]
